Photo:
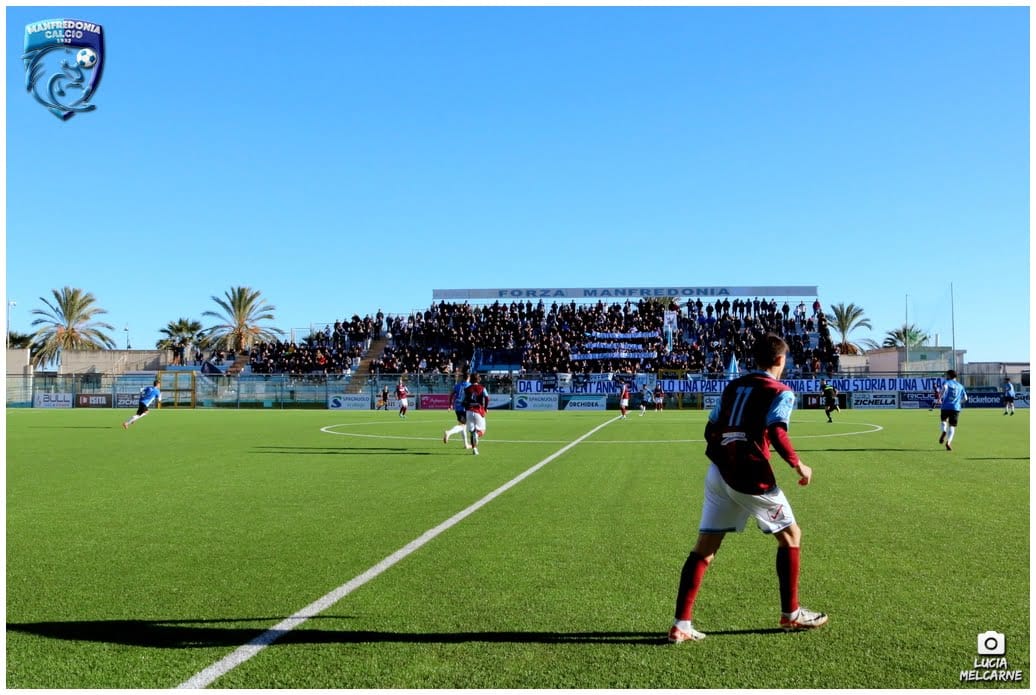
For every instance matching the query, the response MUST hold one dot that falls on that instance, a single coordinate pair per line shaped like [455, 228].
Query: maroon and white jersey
[752, 414]
[476, 399]
[625, 395]
[402, 392]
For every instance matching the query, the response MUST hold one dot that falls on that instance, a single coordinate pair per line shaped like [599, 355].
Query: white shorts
[476, 422]
[726, 509]
[624, 403]
[658, 401]
[404, 403]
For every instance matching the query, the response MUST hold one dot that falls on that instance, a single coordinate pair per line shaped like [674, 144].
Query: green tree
[242, 310]
[846, 318]
[19, 340]
[68, 324]
[907, 335]
[179, 330]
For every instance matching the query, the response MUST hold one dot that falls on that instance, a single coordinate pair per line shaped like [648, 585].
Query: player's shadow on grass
[996, 458]
[193, 634]
[74, 427]
[338, 451]
[835, 450]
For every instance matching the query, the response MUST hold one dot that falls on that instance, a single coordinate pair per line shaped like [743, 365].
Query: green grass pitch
[138, 559]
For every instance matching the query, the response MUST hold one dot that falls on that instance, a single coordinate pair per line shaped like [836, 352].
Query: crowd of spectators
[539, 338]
[332, 351]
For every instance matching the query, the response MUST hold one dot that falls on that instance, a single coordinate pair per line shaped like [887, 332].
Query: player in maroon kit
[752, 415]
[624, 400]
[476, 401]
[402, 393]
[659, 397]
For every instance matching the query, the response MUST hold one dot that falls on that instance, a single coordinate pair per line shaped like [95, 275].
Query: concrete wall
[853, 364]
[113, 361]
[18, 362]
[890, 360]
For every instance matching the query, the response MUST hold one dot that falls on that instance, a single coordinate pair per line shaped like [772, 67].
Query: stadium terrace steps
[240, 362]
[377, 349]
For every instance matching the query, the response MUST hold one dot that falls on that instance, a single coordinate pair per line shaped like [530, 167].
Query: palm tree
[846, 318]
[905, 336]
[68, 324]
[243, 309]
[181, 330]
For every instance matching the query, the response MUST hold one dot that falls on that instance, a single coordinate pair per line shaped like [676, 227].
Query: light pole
[126, 328]
[906, 331]
[10, 305]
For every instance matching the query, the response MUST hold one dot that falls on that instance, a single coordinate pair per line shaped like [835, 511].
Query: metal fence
[281, 391]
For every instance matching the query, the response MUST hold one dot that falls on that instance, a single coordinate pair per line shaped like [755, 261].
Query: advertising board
[93, 400]
[500, 401]
[436, 401]
[587, 403]
[52, 400]
[349, 401]
[876, 400]
[985, 398]
[127, 400]
[536, 401]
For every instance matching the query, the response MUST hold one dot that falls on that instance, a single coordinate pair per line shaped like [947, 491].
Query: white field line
[244, 653]
[330, 429]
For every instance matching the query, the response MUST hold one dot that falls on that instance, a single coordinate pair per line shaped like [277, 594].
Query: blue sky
[346, 159]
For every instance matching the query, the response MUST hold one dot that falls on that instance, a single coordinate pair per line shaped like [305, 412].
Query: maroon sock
[690, 581]
[788, 578]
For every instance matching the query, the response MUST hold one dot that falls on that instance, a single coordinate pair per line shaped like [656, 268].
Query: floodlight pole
[953, 332]
[906, 332]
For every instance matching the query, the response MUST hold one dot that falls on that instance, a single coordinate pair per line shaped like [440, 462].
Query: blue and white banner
[632, 335]
[616, 355]
[608, 345]
[733, 371]
[697, 384]
[844, 385]
[523, 386]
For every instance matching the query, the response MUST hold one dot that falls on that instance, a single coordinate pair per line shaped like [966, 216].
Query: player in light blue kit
[1008, 393]
[953, 399]
[149, 395]
[457, 398]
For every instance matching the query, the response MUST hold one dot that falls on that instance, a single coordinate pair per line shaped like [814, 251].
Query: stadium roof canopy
[586, 294]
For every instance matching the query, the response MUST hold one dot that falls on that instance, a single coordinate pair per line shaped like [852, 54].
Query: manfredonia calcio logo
[63, 60]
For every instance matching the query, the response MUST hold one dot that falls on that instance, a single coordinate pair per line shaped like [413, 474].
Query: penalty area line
[245, 652]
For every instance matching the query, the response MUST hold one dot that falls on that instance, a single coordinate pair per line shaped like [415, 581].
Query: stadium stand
[560, 338]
